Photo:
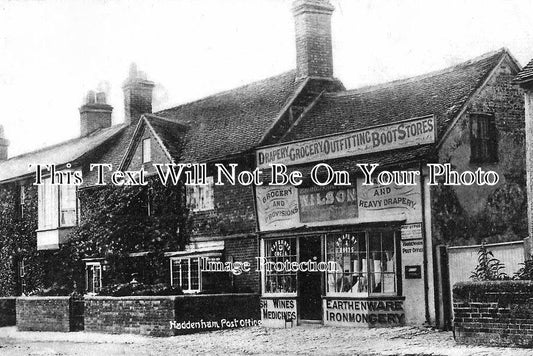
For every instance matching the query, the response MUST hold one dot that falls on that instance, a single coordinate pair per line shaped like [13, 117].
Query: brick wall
[134, 315]
[494, 318]
[43, 314]
[7, 311]
[170, 315]
[244, 250]
[233, 212]
[226, 310]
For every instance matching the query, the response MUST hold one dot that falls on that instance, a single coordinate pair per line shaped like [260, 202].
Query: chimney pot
[100, 98]
[95, 113]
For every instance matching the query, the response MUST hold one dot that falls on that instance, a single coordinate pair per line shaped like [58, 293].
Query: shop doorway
[310, 283]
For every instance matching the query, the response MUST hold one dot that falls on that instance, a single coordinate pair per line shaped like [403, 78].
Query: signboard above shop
[413, 132]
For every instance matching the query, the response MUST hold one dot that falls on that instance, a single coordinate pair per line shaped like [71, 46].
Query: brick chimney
[4, 144]
[314, 57]
[95, 113]
[137, 96]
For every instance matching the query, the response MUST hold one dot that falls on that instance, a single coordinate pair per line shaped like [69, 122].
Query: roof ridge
[226, 91]
[373, 87]
[55, 145]
[166, 119]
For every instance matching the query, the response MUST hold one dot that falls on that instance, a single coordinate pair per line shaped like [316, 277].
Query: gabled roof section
[71, 151]
[233, 121]
[526, 75]
[443, 93]
[168, 134]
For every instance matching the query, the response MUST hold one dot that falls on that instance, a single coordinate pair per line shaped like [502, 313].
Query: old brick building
[472, 117]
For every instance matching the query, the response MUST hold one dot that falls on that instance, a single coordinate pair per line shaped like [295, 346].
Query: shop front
[346, 255]
[366, 270]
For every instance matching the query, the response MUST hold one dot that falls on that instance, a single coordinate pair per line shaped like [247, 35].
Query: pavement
[301, 340]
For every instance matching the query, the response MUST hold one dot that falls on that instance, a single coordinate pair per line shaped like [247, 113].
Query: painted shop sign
[277, 207]
[403, 134]
[327, 203]
[350, 312]
[389, 202]
[275, 312]
[289, 207]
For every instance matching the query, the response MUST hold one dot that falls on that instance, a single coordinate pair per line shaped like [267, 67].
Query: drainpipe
[424, 245]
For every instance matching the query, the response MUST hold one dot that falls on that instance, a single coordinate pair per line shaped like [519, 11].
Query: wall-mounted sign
[364, 313]
[277, 207]
[389, 202]
[403, 134]
[411, 231]
[278, 312]
[327, 203]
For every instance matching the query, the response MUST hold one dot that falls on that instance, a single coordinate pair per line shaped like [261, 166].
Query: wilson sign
[409, 133]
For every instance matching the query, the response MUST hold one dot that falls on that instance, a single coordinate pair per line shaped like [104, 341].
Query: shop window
[365, 263]
[201, 197]
[57, 205]
[283, 251]
[147, 150]
[93, 277]
[483, 140]
[185, 273]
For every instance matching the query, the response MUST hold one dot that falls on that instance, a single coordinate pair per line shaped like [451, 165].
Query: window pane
[147, 150]
[68, 205]
[47, 205]
[280, 250]
[195, 276]
[348, 251]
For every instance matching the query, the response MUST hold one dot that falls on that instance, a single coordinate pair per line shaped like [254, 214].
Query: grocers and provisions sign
[382, 138]
[277, 207]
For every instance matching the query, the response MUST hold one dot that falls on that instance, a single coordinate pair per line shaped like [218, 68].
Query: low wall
[44, 313]
[7, 311]
[170, 315]
[494, 313]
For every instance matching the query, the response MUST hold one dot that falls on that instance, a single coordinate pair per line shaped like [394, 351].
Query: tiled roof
[171, 134]
[232, 121]
[526, 75]
[219, 125]
[441, 93]
[66, 152]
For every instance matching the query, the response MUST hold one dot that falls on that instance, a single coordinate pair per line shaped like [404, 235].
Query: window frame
[146, 150]
[189, 290]
[49, 201]
[370, 275]
[196, 191]
[93, 266]
[296, 255]
[483, 138]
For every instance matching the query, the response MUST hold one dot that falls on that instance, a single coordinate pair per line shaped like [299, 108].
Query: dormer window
[147, 150]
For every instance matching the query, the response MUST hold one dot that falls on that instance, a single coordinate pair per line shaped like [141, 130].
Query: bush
[140, 289]
[488, 268]
[509, 291]
[526, 271]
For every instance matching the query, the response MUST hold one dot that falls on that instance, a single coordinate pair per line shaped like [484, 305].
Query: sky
[53, 52]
